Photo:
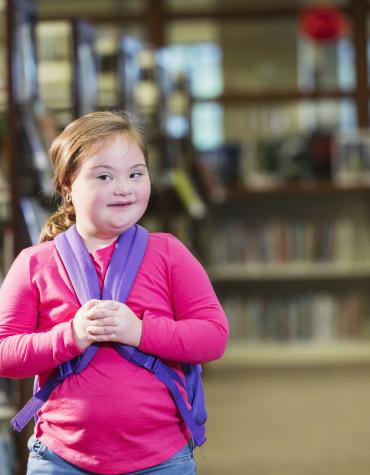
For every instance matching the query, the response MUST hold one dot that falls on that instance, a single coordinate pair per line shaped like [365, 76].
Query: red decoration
[324, 23]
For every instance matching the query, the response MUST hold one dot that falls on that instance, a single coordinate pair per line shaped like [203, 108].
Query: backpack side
[195, 391]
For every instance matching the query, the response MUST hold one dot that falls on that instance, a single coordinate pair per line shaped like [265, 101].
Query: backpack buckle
[64, 370]
[151, 363]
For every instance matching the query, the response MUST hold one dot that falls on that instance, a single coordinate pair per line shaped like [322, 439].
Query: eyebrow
[108, 167]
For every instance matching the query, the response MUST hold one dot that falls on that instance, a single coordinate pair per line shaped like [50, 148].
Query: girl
[114, 417]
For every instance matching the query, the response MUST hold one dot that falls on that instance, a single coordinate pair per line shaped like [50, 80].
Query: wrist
[81, 343]
[137, 330]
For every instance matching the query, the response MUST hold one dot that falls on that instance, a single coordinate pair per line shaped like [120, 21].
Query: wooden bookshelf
[290, 271]
[269, 96]
[7, 412]
[309, 188]
[293, 354]
[310, 307]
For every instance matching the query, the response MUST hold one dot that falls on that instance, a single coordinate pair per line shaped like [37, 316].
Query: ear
[67, 188]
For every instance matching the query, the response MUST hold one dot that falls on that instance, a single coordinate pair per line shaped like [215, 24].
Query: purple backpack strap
[196, 416]
[124, 264]
[126, 259]
[123, 267]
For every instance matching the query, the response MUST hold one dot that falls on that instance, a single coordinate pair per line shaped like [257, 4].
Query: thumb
[91, 303]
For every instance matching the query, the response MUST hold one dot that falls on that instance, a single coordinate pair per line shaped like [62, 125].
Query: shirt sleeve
[199, 331]
[24, 352]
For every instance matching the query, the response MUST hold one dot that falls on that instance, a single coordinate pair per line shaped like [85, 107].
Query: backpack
[123, 267]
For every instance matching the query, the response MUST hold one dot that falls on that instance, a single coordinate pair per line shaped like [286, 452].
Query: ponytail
[58, 222]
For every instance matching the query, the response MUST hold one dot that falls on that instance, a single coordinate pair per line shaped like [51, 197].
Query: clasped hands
[106, 320]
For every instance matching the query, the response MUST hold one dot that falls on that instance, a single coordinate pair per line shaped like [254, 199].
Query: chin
[117, 229]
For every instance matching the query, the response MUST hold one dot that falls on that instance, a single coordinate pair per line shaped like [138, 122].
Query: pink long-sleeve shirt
[114, 417]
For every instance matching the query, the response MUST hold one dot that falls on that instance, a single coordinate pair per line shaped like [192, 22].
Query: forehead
[115, 148]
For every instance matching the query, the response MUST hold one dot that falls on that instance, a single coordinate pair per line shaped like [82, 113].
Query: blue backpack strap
[123, 267]
[195, 392]
[164, 374]
[126, 259]
[78, 264]
[124, 264]
[195, 417]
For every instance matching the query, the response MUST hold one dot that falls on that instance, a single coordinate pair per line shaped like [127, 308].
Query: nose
[122, 188]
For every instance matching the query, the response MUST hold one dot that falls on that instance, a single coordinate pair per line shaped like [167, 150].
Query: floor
[287, 422]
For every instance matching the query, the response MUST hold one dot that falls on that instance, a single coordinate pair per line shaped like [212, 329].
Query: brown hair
[72, 147]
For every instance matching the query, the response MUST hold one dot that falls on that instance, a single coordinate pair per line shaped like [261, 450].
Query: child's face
[111, 190]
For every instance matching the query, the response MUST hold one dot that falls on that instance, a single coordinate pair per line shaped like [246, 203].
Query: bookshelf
[7, 388]
[67, 61]
[239, 356]
[283, 236]
[30, 129]
[288, 272]
[55, 68]
[291, 264]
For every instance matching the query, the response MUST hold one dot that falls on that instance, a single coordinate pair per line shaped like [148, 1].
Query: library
[257, 122]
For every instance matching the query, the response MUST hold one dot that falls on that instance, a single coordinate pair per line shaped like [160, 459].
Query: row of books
[310, 317]
[351, 158]
[281, 240]
[280, 156]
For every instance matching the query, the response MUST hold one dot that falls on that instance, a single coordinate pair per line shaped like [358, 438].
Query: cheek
[147, 190]
[85, 199]
[145, 196]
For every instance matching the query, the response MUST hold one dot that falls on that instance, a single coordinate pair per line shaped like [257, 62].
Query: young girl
[114, 417]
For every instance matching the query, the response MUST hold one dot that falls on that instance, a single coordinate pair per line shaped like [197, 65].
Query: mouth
[120, 205]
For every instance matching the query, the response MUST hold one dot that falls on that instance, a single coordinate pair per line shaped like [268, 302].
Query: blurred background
[258, 121]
